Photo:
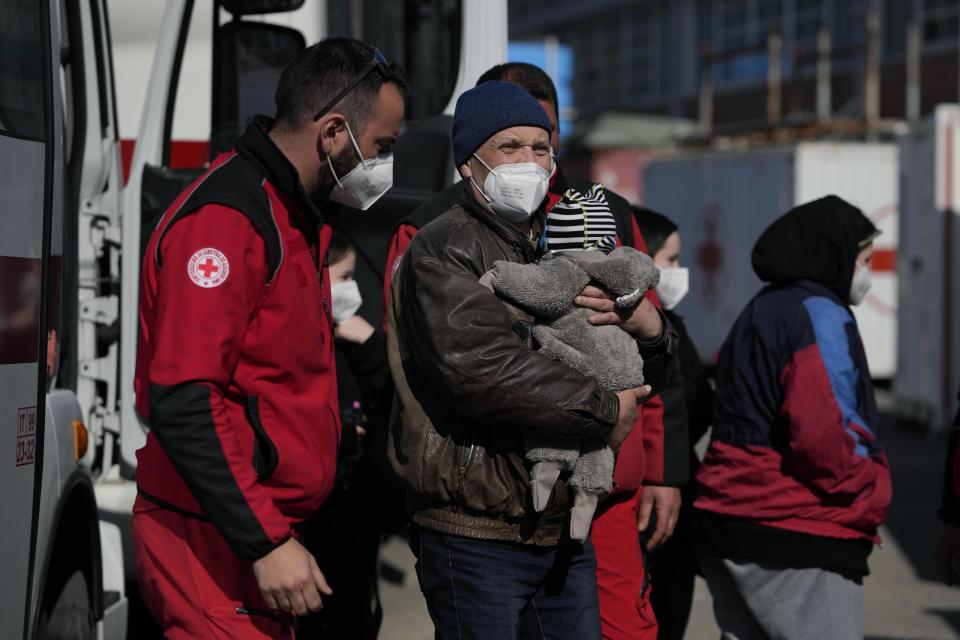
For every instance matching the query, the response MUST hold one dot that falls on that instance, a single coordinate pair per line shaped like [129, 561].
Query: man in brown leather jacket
[469, 382]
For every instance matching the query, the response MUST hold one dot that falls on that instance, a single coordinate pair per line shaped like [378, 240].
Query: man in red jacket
[235, 366]
[653, 462]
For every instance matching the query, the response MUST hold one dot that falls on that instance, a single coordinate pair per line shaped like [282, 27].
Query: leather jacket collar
[506, 231]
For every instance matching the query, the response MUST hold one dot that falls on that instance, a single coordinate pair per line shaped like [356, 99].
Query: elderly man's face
[516, 144]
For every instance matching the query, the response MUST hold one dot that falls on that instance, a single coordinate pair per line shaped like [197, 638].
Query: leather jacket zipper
[465, 459]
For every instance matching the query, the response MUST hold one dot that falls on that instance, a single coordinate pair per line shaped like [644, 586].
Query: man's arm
[198, 336]
[832, 448]
[461, 335]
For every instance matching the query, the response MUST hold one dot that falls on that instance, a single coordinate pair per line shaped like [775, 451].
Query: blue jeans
[501, 591]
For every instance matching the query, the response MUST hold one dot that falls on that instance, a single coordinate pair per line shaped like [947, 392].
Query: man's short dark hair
[321, 71]
[528, 77]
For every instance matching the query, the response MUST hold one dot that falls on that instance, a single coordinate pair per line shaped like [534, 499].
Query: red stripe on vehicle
[184, 154]
[19, 309]
[884, 260]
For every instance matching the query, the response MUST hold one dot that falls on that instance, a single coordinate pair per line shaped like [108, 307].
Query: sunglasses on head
[378, 63]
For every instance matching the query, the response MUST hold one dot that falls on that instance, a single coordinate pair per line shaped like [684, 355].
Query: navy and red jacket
[235, 363]
[794, 446]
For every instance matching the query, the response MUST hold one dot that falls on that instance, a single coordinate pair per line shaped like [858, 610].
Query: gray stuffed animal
[607, 353]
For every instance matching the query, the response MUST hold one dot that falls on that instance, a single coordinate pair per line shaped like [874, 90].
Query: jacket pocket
[265, 456]
[241, 621]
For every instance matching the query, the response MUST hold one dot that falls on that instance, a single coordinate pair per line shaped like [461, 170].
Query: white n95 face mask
[862, 281]
[365, 183]
[674, 284]
[346, 300]
[515, 189]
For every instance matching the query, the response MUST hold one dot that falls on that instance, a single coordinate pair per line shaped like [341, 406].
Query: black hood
[817, 241]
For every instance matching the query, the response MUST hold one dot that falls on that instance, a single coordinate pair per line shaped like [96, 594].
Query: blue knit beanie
[491, 107]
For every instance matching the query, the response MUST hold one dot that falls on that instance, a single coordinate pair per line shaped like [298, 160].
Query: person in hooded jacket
[673, 566]
[794, 484]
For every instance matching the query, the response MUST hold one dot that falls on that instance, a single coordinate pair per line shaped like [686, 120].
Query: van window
[21, 70]
[189, 141]
[423, 36]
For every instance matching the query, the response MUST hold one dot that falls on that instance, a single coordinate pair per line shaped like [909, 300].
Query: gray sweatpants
[752, 602]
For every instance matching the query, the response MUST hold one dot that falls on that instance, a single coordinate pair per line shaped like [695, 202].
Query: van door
[28, 151]
[244, 58]
[89, 328]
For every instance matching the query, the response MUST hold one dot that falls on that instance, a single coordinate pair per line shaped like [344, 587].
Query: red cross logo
[709, 254]
[208, 268]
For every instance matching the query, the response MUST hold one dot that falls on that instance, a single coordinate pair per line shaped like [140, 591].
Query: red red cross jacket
[235, 363]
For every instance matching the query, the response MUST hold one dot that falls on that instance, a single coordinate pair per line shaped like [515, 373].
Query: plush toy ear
[624, 272]
[545, 289]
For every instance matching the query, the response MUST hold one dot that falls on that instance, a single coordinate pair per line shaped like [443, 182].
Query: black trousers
[344, 536]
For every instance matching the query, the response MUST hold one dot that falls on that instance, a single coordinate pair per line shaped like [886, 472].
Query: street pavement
[905, 599]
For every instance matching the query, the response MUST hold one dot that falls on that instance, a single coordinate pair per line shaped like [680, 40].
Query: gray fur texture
[624, 272]
[590, 473]
[608, 354]
[545, 289]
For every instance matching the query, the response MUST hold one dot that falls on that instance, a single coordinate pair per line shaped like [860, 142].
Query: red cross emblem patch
[208, 268]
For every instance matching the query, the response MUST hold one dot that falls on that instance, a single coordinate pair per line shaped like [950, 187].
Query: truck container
[723, 201]
[925, 384]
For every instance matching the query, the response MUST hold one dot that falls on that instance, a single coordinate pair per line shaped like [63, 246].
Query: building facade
[649, 55]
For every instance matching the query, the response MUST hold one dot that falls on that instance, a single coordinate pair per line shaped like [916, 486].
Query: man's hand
[290, 579]
[666, 501]
[948, 553]
[355, 329]
[642, 321]
[628, 415]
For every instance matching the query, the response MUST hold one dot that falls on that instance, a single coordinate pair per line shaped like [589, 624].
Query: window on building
[739, 37]
[641, 42]
[940, 21]
[809, 17]
[896, 15]
[770, 12]
[733, 24]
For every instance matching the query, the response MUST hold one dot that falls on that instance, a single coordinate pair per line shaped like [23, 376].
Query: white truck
[63, 570]
[71, 237]
[925, 385]
[723, 201]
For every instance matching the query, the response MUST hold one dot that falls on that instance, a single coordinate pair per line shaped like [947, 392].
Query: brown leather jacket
[468, 383]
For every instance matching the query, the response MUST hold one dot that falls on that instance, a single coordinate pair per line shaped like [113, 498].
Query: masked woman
[345, 534]
[673, 566]
[794, 484]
